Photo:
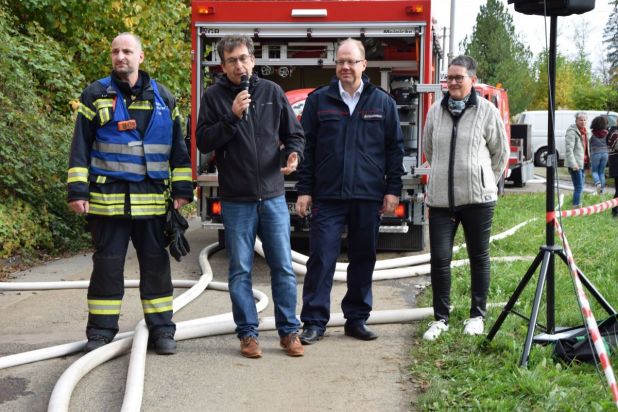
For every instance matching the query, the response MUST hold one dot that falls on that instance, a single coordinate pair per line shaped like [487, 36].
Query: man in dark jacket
[246, 129]
[127, 147]
[350, 176]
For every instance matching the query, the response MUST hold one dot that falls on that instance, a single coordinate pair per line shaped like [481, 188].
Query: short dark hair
[599, 123]
[465, 61]
[230, 42]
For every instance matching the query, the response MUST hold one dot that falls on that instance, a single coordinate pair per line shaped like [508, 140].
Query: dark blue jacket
[351, 157]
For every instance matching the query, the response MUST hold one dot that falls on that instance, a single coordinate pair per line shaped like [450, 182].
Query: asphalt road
[207, 374]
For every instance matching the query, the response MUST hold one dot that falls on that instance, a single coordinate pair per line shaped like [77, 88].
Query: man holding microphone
[246, 124]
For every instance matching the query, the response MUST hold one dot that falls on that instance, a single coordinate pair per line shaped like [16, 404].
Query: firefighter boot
[164, 344]
[95, 342]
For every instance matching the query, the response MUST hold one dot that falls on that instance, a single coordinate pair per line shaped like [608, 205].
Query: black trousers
[328, 220]
[615, 209]
[443, 223]
[110, 237]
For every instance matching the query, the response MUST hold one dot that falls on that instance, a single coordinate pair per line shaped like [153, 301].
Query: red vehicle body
[295, 46]
[520, 167]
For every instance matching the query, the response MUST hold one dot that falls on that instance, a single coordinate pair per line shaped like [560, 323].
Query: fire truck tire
[517, 178]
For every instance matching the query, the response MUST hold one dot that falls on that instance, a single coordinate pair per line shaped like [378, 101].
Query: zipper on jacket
[250, 122]
[482, 177]
[451, 165]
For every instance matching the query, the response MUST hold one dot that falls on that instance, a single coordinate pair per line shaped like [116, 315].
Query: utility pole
[451, 41]
[443, 48]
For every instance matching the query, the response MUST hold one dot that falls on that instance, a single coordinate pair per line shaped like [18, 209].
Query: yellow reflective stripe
[151, 210]
[104, 307]
[86, 111]
[175, 113]
[77, 174]
[158, 305]
[105, 115]
[141, 199]
[103, 103]
[182, 174]
[106, 198]
[141, 105]
[101, 179]
[103, 210]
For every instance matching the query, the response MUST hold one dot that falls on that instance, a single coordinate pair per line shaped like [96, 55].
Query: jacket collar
[333, 88]
[472, 100]
[142, 90]
[223, 81]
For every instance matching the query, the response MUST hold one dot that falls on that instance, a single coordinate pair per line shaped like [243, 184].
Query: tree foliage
[610, 38]
[501, 56]
[51, 49]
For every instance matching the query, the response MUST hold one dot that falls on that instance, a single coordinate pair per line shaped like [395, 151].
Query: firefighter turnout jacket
[127, 147]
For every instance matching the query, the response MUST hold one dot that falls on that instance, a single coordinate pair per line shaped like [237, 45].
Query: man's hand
[240, 103]
[79, 206]
[292, 164]
[303, 205]
[389, 204]
[180, 202]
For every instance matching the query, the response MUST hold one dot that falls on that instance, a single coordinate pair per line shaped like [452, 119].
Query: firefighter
[127, 153]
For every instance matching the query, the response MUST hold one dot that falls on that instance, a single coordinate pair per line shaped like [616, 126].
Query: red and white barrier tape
[590, 210]
[593, 328]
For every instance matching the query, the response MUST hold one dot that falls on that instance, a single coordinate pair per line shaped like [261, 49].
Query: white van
[562, 120]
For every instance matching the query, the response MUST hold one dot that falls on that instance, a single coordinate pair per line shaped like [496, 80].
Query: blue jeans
[270, 220]
[577, 176]
[598, 161]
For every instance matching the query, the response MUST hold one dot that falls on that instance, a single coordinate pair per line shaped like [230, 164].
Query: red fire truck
[295, 45]
[520, 167]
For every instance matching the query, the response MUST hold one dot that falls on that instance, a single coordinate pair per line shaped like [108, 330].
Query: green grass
[457, 373]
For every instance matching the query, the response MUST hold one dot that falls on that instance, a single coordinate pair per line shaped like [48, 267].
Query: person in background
[576, 148]
[598, 152]
[351, 176]
[245, 126]
[612, 144]
[127, 153]
[467, 149]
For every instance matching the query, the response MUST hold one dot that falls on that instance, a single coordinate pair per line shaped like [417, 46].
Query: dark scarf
[600, 133]
[457, 106]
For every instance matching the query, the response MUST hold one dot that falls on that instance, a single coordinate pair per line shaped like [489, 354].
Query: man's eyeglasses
[348, 62]
[243, 58]
[457, 79]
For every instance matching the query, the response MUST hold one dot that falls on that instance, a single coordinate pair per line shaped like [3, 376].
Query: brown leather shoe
[291, 344]
[250, 348]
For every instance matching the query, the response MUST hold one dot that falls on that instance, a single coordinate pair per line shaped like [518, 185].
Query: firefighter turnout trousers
[110, 237]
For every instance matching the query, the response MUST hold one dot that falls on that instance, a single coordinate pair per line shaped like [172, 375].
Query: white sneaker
[599, 188]
[474, 326]
[435, 329]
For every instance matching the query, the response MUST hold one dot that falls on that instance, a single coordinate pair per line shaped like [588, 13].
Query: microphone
[244, 84]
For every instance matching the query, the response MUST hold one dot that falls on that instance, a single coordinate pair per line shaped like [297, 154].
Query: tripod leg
[591, 288]
[513, 299]
[535, 308]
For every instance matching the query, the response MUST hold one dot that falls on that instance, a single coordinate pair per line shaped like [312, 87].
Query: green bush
[49, 54]
[35, 133]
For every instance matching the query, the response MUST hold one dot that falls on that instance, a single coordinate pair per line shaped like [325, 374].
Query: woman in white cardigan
[466, 146]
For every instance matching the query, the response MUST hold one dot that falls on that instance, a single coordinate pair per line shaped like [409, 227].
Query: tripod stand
[547, 253]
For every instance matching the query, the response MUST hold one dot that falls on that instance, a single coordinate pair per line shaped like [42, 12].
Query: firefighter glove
[175, 226]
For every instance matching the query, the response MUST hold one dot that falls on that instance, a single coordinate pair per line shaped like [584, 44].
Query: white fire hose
[208, 326]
